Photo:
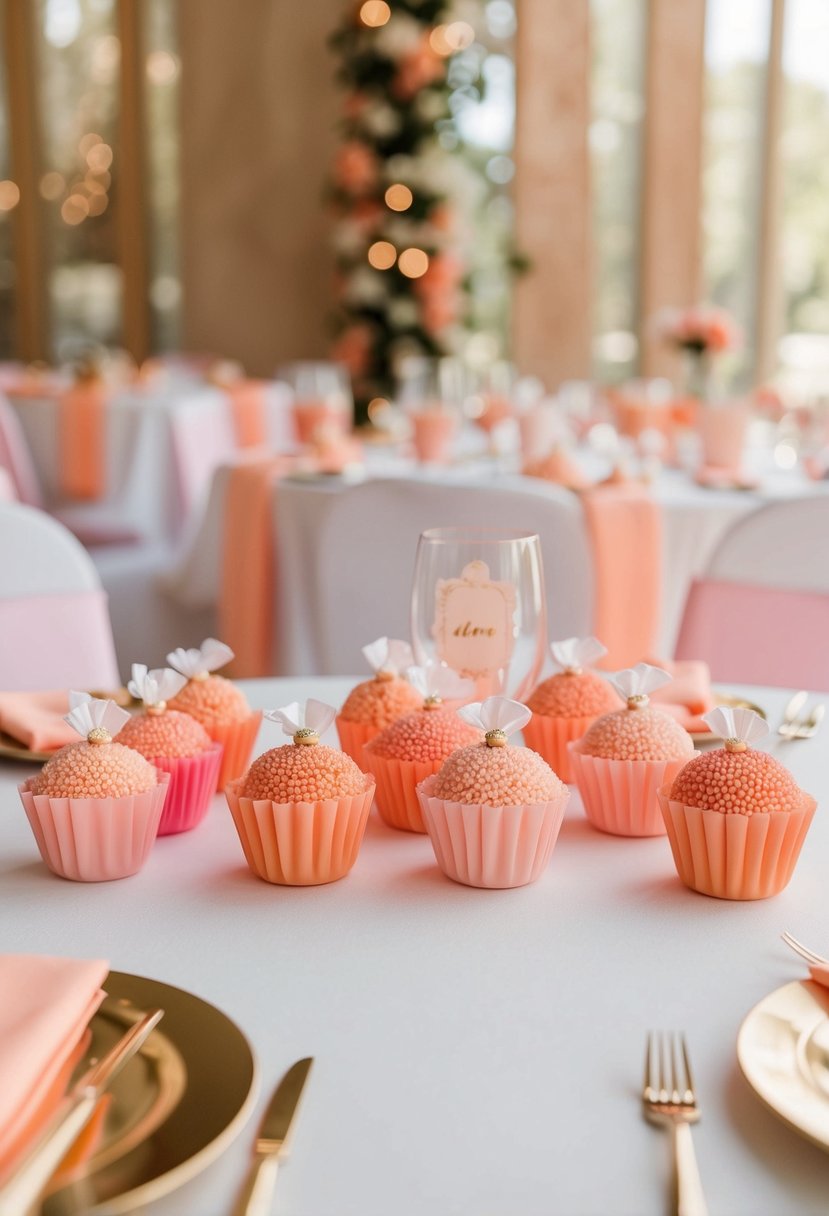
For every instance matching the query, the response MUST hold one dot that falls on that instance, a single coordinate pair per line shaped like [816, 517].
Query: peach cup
[735, 856]
[95, 839]
[354, 736]
[397, 780]
[496, 847]
[550, 737]
[237, 739]
[192, 786]
[300, 844]
[620, 796]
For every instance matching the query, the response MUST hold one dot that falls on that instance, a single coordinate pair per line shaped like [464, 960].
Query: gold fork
[669, 1100]
[813, 959]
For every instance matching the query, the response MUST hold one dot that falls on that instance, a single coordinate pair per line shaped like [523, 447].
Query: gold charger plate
[728, 699]
[13, 749]
[783, 1051]
[174, 1108]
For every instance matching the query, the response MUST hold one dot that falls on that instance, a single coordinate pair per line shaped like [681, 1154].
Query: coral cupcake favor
[375, 704]
[626, 756]
[566, 704]
[96, 805]
[175, 743]
[493, 812]
[217, 704]
[415, 746]
[301, 809]
[736, 818]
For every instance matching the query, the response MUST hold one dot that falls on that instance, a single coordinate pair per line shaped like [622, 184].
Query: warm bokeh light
[98, 204]
[9, 195]
[52, 186]
[399, 197]
[382, 255]
[413, 263]
[99, 157]
[75, 209]
[93, 186]
[87, 142]
[375, 13]
[376, 407]
[162, 67]
[446, 40]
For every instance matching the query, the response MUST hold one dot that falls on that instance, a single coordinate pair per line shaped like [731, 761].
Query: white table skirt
[478, 1053]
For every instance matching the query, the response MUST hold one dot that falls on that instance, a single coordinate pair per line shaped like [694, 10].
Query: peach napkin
[82, 440]
[36, 719]
[689, 694]
[45, 1008]
[820, 974]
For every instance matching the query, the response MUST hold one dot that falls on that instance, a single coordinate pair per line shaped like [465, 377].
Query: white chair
[363, 557]
[54, 624]
[783, 544]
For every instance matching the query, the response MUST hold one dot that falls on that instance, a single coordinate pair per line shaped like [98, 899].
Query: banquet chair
[202, 438]
[15, 457]
[365, 555]
[55, 630]
[760, 615]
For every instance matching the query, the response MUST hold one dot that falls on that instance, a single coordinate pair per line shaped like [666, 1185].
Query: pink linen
[82, 439]
[8, 490]
[63, 640]
[16, 459]
[247, 406]
[689, 695]
[36, 719]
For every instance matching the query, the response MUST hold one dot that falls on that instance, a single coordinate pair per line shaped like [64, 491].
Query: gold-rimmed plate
[783, 1052]
[173, 1109]
[13, 749]
[728, 699]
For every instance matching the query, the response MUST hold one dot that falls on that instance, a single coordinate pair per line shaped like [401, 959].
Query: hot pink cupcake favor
[493, 812]
[375, 704]
[175, 743]
[736, 818]
[217, 704]
[566, 704]
[626, 756]
[96, 805]
[301, 809]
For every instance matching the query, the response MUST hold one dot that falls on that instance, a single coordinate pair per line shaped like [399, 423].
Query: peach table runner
[247, 405]
[82, 440]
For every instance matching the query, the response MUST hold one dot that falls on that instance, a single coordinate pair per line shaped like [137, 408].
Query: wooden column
[133, 236]
[671, 174]
[552, 307]
[770, 308]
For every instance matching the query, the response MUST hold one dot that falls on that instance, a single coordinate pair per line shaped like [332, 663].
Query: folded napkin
[45, 1007]
[820, 974]
[36, 719]
[689, 694]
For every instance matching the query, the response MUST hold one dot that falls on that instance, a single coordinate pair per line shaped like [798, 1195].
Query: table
[478, 1053]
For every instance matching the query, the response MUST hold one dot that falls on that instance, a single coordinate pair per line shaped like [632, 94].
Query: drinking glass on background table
[432, 392]
[479, 607]
[494, 395]
[322, 397]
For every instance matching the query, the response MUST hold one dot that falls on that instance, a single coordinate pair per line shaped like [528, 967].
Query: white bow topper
[572, 654]
[199, 661]
[155, 687]
[388, 654]
[311, 715]
[742, 725]
[86, 715]
[634, 683]
[435, 682]
[496, 713]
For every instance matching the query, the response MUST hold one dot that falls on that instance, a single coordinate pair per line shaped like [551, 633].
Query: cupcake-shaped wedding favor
[735, 816]
[175, 743]
[218, 704]
[493, 811]
[627, 756]
[567, 703]
[301, 809]
[415, 746]
[375, 704]
[96, 805]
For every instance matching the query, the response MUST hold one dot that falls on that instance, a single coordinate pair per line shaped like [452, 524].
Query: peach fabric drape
[247, 405]
[82, 440]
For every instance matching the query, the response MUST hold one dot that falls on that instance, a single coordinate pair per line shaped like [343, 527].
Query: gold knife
[257, 1192]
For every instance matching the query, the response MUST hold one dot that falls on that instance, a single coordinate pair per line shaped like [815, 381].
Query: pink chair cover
[8, 490]
[16, 459]
[54, 641]
[757, 635]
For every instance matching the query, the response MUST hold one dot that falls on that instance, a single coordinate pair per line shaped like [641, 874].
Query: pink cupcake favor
[375, 704]
[175, 743]
[626, 756]
[96, 805]
[415, 746]
[567, 703]
[493, 812]
[217, 704]
[736, 818]
[301, 810]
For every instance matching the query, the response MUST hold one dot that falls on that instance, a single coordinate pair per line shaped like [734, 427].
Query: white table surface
[478, 1053]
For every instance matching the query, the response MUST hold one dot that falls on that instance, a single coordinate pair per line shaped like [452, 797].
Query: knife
[70, 1118]
[256, 1194]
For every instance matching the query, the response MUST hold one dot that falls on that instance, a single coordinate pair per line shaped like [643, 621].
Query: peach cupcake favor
[566, 704]
[175, 743]
[217, 704]
[375, 704]
[301, 809]
[626, 756]
[735, 816]
[416, 745]
[493, 812]
[96, 805]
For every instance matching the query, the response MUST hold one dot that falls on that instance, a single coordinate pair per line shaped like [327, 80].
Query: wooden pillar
[133, 224]
[770, 307]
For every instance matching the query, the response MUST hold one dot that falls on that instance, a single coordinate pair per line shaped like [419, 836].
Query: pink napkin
[36, 719]
[689, 694]
[45, 1007]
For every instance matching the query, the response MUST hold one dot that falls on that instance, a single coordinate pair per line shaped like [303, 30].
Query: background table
[478, 1053]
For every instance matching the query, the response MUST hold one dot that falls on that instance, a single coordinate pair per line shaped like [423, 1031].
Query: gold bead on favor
[200, 675]
[306, 737]
[158, 708]
[98, 735]
[637, 702]
[573, 671]
[736, 745]
[496, 738]
[433, 702]
[384, 675]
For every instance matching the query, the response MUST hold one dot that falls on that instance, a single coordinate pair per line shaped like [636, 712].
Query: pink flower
[355, 167]
[417, 69]
[444, 274]
[439, 312]
[701, 328]
[353, 348]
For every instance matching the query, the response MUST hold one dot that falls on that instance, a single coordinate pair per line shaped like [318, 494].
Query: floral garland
[400, 194]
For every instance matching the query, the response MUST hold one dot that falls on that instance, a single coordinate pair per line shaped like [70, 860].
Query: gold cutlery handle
[254, 1199]
[690, 1200]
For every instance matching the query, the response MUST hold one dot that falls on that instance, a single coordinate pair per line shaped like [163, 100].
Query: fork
[813, 959]
[669, 1100]
[809, 726]
[792, 726]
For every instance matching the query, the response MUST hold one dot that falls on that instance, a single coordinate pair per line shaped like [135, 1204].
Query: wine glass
[479, 607]
[431, 392]
[322, 398]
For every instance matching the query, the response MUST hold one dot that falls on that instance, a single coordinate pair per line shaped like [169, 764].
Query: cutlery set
[795, 725]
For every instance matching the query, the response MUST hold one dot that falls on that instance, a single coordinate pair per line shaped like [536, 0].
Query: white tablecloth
[478, 1053]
